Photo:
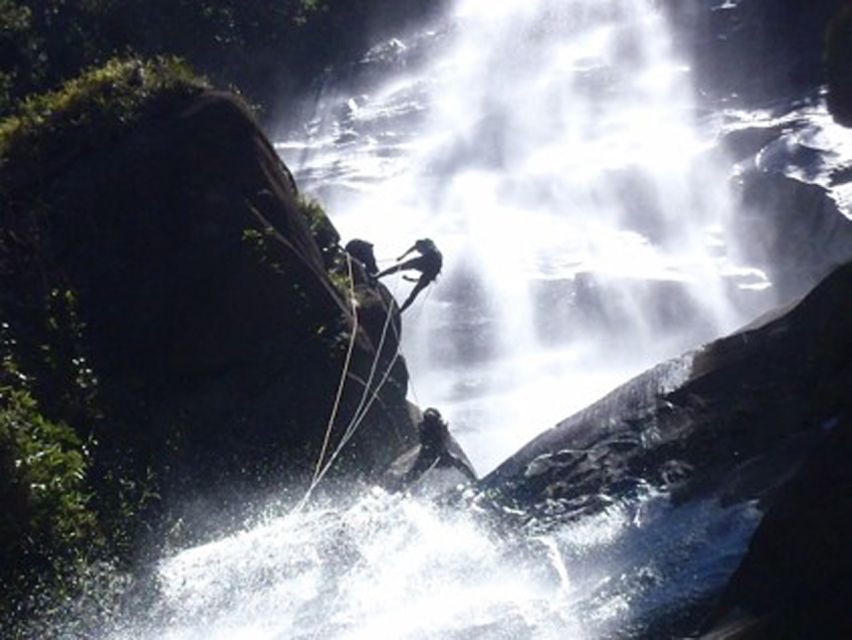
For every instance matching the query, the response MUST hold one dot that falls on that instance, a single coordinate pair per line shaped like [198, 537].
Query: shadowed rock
[732, 421]
[205, 308]
[734, 417]
[796, 578]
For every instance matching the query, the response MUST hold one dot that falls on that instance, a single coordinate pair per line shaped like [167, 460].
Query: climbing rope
[321, 470]
[344, 373]
[367, 399]
[363, 409]
[363, 405]
[374, 365]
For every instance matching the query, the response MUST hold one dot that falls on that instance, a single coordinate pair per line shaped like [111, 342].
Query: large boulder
[731, 416]
[757, 51]
[174, 266]
[796, 579]
[729, 423]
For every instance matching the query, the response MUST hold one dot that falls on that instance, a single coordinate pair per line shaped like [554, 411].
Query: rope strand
[344, 373]
[361, 411]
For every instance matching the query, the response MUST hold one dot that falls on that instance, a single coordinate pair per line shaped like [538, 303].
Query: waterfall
[554, 151]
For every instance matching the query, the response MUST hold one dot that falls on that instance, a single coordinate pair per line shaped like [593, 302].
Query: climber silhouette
[428, 263]
[438, 449]
[362, 251]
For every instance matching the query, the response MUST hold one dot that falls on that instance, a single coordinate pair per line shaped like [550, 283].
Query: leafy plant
[47, 525]
[85, 113]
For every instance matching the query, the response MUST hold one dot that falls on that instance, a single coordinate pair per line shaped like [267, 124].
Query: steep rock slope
[734, 417]
[173, 268]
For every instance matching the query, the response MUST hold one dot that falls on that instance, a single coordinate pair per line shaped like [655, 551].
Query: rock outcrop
[732, 415]
[758, 51]
[792, 186]
[796, 578]
[731, 422]
[796, 231]
[202, 308]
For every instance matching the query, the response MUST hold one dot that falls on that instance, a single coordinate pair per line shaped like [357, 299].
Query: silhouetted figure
[362, 251]
[428, 263]
[437, 449]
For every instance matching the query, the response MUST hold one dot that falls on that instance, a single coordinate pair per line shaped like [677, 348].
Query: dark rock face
[734, 418]
[795, 230]
[838, 51]
[758, 50]
[205, 309]
[792, 186]
[796, 578]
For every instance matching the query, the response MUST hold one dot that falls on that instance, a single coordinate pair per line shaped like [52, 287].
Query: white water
[398, 568]
[553, 151]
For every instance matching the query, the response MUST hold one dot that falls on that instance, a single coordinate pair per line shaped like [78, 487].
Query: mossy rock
[48, 131]
[160, 245]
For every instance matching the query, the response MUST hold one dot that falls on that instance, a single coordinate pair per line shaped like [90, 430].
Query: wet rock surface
[731, 422]
[690, 422]
[798, 232]
[792, 184]
[795, 580]
[754, 50]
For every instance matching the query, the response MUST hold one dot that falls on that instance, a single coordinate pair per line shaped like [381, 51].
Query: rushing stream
[553, 150]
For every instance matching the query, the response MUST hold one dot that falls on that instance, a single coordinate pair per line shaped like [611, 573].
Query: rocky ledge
[761, 416]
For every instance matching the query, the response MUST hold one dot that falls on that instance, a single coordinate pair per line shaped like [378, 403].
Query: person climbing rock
[362, 251]
[437, 450]
[428, 263]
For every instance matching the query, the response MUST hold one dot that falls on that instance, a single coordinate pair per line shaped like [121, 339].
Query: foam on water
[393, 566]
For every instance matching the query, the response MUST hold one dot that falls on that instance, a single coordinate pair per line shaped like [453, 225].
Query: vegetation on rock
[87, 112]
[174, 316]
[267, 48]
[47, 522]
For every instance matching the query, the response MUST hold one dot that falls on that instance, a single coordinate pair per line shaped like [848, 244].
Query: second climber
[428, 263]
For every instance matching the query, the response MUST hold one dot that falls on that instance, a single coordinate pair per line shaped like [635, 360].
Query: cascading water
[552, 149]
[384, 566]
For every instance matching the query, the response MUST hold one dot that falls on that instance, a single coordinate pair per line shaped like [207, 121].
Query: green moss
[323, 231]
[328, 241]
[85, 113]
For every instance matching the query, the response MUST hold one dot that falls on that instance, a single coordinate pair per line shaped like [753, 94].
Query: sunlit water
[385, 566]
[553, 151]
